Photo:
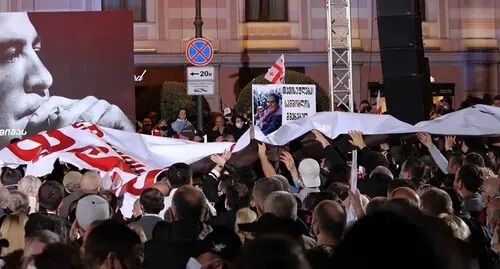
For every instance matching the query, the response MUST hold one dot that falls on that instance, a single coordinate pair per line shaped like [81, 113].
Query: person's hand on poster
[59, 112]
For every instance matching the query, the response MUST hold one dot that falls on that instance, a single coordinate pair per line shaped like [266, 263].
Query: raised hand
[320, 138]
[219, 160]
[287, 159]
[425, 139]
[449, 142]
[357, 139]
[226, 155]
[262, 149]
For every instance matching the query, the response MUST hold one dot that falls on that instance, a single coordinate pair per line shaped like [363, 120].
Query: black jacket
[172, 245]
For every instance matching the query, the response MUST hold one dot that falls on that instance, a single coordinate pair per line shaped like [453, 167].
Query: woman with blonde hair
[243, 216]
[12, 229]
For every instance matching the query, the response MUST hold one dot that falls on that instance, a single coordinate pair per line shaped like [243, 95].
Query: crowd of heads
[295, 207]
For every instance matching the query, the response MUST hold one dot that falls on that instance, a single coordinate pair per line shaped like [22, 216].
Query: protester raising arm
[440, 160]
[212, 181]
[332, 156]
[367, 158]
[267, 167]
[287, 159]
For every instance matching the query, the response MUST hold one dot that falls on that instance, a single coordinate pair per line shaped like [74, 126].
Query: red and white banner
[276, 74]
[128, 162]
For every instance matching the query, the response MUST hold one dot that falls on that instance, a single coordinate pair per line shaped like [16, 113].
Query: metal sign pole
[198, 26]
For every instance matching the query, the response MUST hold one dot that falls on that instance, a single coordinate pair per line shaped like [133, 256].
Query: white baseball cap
[91, 208]
[309, 171]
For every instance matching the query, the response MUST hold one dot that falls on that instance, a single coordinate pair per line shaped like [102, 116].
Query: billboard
[57, 68]
[277, 104]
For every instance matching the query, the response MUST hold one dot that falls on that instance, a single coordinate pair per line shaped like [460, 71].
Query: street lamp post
[198, 26]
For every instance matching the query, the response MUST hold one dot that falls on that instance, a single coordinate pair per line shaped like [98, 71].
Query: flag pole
[284, 70]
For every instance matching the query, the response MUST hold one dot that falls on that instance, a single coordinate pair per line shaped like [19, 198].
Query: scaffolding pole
[339, 29]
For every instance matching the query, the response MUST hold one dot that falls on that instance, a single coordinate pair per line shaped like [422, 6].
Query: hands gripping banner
[129, 169]
[124, 170]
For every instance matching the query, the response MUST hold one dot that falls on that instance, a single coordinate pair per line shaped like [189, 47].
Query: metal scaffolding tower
[339, 29]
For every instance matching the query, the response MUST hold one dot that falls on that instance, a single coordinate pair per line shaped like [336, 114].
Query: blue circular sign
[199, 52]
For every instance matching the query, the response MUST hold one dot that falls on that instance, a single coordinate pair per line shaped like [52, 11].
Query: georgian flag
[276, 74]
[378, 108]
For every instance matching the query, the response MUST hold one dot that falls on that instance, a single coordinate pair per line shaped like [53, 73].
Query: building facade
[461, 39]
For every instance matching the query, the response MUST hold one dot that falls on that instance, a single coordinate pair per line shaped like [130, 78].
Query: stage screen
[57, 68]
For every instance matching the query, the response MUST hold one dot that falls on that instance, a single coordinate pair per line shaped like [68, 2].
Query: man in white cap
[310, 180]
[90, 208]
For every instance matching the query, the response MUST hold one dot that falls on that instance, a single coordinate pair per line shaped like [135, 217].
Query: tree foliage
[174, 97]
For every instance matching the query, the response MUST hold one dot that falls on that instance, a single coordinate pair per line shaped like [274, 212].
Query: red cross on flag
[276, 74]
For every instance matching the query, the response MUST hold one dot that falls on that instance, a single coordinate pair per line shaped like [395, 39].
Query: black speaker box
[409, 99]
[403, 62]
[398, 8]
[400, 32]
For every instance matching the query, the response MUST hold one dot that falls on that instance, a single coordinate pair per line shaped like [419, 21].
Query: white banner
[298, 101]
[130, 162]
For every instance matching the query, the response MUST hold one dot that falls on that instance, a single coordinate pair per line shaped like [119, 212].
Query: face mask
[31, 266]
[239, 124]
[192, 264]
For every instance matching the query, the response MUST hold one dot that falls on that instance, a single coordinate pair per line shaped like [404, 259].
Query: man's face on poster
[25, 102]
[23, 76]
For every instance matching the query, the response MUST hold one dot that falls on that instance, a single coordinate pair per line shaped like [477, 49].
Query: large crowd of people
[420, 201]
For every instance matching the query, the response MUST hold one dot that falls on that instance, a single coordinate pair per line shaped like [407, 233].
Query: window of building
[266, 10]
[138, 7]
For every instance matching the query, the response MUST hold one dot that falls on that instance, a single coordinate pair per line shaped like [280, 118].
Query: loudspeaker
[400, 32]
[402, 62]
[409, 99]
[427, 68]
[398, 8]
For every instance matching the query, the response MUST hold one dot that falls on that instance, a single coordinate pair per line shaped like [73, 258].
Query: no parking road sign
[199, 52]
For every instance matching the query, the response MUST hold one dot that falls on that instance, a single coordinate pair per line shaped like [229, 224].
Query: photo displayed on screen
[267, 111]
[63, 67]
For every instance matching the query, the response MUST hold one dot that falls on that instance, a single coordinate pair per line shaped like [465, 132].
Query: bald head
[188, 203]
[406, 193]
[282, 204]
[91, 182]
[162, 187]
[375, 205]
[329, 219]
